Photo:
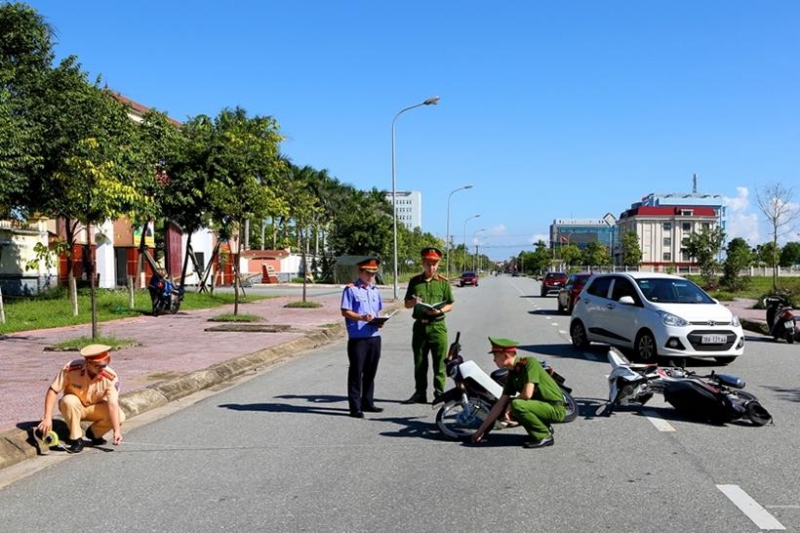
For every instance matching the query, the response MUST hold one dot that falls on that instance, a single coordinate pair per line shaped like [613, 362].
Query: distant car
[655, 315]
[552, 283]
[468, 278]
[569, 293]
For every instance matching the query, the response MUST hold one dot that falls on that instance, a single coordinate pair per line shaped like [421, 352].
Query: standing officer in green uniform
[430, 331]
[539, 402]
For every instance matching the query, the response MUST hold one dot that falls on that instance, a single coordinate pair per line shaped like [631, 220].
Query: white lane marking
[660, 424]
[782, 506]
[554, 324]
[563, 332]
[750, 507]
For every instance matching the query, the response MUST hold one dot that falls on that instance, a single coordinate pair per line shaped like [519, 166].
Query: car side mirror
[627, 300]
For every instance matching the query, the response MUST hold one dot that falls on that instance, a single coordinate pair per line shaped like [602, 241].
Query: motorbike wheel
[570, 405]
[457, 423]
[790, 337]
[176, 306]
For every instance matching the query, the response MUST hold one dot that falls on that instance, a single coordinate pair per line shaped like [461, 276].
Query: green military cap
[431, 253]
[503, 345]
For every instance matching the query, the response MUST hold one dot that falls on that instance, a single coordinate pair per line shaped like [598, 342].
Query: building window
[667, 241]
[685, 257]
[667, 256]
[667, 226]
[706, 226]
[686, 212]
[686, 226]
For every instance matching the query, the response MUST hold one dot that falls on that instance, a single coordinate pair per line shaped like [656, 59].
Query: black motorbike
[468, 403]
[781, 321]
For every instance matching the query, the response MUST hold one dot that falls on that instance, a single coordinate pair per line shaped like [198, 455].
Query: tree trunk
[92, 295]
[304, 259]
[2, 309]
[186, 259]
[207, 271]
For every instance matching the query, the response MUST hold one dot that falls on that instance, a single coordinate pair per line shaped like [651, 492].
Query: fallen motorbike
[717, 398]
[468, 403]
[780, 319]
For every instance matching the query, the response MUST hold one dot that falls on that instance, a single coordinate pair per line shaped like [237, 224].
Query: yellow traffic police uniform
[85, 398]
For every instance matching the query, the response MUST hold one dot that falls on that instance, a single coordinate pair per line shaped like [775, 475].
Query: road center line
[660, 424]
[750, 507]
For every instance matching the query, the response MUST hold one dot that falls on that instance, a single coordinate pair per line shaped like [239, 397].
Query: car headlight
[735, 322]
[673, 320]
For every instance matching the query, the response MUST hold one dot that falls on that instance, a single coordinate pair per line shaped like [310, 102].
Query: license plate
[714, 339]
[789, 324]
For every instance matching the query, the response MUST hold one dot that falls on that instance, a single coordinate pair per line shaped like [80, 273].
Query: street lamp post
[476, 247]
[466, 246]
[433, 100]
[447, 234]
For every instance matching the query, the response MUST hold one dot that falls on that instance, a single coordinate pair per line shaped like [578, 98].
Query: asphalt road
[278, 452]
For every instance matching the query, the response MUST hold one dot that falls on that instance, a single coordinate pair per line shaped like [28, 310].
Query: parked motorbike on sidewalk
[717, 398]
[468, 403]
[165, 296]
[780, 319]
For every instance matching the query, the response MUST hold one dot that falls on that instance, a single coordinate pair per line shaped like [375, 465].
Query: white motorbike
[468, 403]
[717, 398]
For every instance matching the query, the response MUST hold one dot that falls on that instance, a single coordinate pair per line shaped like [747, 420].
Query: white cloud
[499, 229]
[540, 237]
[741, 222]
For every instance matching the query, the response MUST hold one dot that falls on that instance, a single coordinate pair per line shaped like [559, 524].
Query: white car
[655, 315]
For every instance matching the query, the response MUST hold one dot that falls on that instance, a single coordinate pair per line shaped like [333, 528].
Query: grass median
[53, 309]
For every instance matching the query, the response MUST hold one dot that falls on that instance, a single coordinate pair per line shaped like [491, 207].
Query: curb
[756, 326]
[18, 445]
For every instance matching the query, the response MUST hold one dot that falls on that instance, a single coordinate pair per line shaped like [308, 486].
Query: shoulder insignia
[439, 277]
[108, 374]
[349, 285]
[75, 364]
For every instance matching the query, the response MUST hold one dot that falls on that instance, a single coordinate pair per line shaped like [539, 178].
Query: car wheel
[560, 307]
[645, 347]
[578, 334]
[724, 360]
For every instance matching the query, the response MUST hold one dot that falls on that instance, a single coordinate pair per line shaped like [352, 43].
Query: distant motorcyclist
[538, 401]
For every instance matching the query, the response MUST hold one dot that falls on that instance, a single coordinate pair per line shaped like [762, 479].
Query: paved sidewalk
[175, 356]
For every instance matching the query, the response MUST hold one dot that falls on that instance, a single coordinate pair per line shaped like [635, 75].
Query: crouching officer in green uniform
[538, 403]
[431, 296]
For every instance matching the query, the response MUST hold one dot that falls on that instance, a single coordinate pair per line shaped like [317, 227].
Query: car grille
[710, 323]
[696, 336]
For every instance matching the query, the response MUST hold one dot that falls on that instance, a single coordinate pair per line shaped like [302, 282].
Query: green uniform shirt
[528, 370]
[433, 291]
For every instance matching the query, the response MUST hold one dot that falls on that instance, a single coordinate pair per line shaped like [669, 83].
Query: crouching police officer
[91, 392]
[539, 402]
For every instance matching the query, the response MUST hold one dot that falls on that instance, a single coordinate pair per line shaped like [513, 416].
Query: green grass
[53, 309]
[230, 317]
[80, 342]
[308, 304]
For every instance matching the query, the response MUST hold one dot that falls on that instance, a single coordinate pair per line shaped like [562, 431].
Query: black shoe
[551, 430]
[547, 441]
[372, 409]
[436, 395]
[356, 414]
[74, 446]
[96, 441]
[417, 397]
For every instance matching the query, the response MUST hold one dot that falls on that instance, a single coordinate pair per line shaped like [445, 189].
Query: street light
[447, 234]
[466, 246]
[433, 100]
[476, 246]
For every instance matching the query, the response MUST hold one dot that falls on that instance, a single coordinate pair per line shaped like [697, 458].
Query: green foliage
[570, 254]
[768, 254]
[631, 251]
[536, 261]
[790, 254]
[738, 258]
[704, 247]
[596, 254]
[230, 317]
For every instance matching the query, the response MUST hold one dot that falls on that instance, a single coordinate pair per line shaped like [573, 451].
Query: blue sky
[549, 109]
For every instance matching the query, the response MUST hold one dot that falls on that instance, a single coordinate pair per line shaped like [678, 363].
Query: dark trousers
[363, 355]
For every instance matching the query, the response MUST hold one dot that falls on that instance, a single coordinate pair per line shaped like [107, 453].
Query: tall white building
[409, 208]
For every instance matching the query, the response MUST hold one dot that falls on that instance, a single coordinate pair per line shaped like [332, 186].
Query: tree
[768, 253]
[26, 55]
[242, 164]
[570, 253]
[704, 247]
[775, 201]
[631, 251]
[596, 254]
[538, 260]
[738, 258]
[790, 254]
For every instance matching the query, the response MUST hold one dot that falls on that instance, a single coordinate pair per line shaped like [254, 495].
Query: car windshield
[468, 275]
[673, 291]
